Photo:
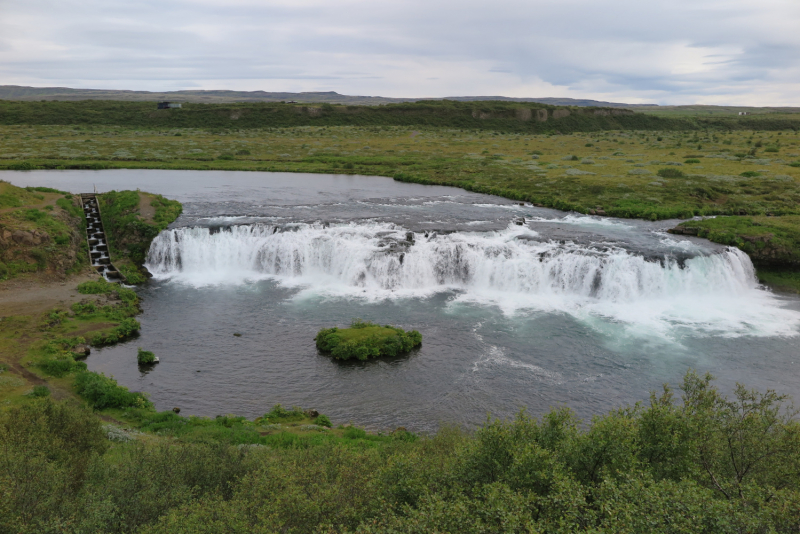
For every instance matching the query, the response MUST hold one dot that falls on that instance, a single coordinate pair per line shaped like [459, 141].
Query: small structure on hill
[169, 105]
[744, 113]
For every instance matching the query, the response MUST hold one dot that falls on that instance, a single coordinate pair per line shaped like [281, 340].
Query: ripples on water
[518, 306]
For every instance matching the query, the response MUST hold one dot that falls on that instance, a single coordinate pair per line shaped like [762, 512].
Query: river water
[518, 306]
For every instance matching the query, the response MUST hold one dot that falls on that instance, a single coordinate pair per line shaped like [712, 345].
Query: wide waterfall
[380, 259]
[519, 306]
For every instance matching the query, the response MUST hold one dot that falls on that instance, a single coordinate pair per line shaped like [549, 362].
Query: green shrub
[40, 391]
[354, 433]
[280, 414]
[364, 340]
[103, 392]
[81, 308]
[225, 157]
[61, 367]
[34, 214]
[126, 329]
[144, 357]
[96, 287]
[22, 166]
[692, 160]
[103, 287]
[772, 149]
[132, 274]
[323, 420]
[750, 174]
[243, 152]
[671, 172]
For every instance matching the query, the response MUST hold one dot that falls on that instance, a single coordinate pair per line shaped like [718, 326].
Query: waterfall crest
[386, 258]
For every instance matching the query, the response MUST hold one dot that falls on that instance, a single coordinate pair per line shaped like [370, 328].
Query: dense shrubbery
[103, 392]
[707, 465]
[364, 340]
[126, 329]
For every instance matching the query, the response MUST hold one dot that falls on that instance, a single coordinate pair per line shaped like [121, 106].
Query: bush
[671, 173]
[96, 287]
[103, 392]
[61, 366]
[323, 420]
[81, 308]
[126, 329]
[692, 160]
[40, 391]
[144, 357]
[364, 340]
[280, 414]
[750, 174]
[225, 157]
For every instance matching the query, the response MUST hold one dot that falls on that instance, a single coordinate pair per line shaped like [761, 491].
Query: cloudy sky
[741, 52]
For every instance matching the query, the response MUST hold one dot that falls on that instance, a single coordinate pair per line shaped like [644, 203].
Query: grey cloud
[662, 47]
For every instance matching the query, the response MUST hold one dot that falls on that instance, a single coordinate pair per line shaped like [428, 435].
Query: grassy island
[364, 340]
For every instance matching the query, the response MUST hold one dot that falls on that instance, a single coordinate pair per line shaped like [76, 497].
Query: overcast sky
[741, 52]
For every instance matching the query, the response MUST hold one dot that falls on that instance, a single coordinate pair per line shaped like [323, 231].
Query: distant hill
[16, 92]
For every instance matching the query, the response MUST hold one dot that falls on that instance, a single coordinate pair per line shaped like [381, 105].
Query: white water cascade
[380, 258]
[509, 268]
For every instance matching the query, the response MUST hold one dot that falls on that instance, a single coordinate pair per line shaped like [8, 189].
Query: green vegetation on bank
[40, 232]
[486, 115]
[773, 243]
[623, 173]
[132, 219]
[708, 464]
[65, 335]
[365, 340]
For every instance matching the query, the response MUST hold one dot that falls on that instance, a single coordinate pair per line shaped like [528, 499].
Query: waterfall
[384, 257]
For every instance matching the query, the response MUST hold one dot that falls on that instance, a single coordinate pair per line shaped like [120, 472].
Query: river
[518, 306]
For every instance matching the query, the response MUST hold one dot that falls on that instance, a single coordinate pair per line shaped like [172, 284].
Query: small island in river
[365, 340]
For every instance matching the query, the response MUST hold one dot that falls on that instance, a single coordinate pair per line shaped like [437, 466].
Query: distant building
[744, 113]
[168, 105]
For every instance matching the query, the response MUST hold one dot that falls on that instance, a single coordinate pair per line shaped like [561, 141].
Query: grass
[51, 223]
[364, 340]
[130, 229]
[631, 173]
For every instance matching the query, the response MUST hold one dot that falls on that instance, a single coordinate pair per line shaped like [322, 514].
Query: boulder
[22, 237]
[176, 409]
[312, 414]
[82, 350]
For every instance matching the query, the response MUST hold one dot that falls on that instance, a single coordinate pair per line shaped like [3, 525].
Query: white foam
[714, 294]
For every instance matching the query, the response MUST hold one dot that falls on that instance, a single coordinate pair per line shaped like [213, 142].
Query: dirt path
[145, 209]
[34, 295]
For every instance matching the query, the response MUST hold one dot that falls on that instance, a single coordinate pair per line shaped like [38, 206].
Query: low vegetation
[132, 220]
[365, 340]
[40, 232]
[773, 243]
[623, 173]
[704, 464]
[145, 357]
